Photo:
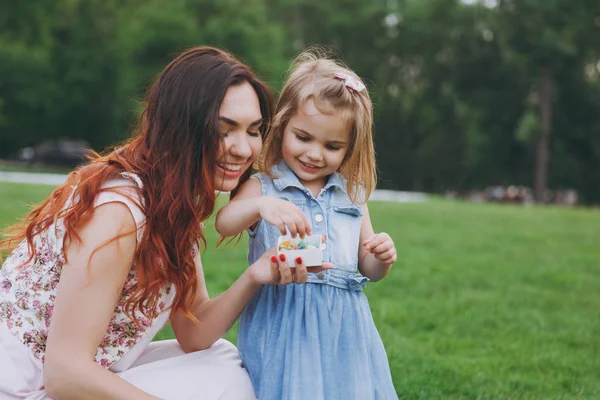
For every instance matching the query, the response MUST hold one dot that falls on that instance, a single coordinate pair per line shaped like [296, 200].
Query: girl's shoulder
[264, 179]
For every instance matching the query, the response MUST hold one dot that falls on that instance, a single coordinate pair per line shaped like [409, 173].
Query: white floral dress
[27, 293]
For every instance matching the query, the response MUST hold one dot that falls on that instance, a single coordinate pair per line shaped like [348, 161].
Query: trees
[77, 68]
[542, 38]
[467, 93]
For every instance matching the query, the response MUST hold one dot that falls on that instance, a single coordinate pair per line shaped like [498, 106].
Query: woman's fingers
[300, 273]
[284, 271]
[274, 268]
[319, 268]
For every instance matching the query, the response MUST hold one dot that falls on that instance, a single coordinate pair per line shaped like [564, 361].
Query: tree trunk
[543, 146]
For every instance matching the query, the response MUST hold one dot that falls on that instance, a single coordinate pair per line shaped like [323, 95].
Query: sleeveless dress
[160, 368]
[314, 341]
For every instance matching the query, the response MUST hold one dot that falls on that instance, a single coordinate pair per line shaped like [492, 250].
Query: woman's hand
[270, 269]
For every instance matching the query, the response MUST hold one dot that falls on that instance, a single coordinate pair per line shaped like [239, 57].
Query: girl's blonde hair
[312, 76]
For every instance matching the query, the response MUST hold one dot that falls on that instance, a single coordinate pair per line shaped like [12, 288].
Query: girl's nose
[314, 154]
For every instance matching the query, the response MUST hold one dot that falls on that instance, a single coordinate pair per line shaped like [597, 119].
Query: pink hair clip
[350, 81]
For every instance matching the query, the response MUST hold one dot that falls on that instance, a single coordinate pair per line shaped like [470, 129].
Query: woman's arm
[89, 288]
[216, 316]
[249, 206]
[376, 252]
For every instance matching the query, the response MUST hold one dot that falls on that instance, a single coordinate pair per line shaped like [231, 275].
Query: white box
[310, 249]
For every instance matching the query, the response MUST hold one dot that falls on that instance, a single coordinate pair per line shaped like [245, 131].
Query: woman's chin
[226, 185]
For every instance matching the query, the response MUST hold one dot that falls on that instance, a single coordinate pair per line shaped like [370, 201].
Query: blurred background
[489, 100]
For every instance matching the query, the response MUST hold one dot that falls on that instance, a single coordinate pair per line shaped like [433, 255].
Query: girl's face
[314, 144]
[239, 120]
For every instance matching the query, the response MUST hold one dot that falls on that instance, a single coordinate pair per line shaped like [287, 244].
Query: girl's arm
[242, 211]
[376, 252]
[216, 316]
[89, 288]
[249, 206]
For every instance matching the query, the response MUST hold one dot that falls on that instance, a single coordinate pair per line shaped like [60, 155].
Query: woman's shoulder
[124, 180]
[125, 189]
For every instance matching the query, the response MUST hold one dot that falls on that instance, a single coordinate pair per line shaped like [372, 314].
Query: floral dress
[27, 294]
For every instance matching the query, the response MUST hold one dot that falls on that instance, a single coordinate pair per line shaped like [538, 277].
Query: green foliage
[455, 85]
[528, 127]
[78, 68]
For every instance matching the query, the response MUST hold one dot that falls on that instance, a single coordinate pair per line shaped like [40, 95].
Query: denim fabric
[315, 341]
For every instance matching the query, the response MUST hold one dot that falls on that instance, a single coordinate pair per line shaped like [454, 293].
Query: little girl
[318, 340]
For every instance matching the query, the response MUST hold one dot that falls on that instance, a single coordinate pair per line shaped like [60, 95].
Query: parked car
[57, 152]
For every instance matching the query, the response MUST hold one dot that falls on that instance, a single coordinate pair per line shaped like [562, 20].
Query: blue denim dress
[315, 341]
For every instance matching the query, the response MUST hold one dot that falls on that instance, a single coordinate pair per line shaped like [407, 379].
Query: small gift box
[309, 248]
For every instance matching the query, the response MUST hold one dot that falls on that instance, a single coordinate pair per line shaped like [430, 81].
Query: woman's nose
[239, 146]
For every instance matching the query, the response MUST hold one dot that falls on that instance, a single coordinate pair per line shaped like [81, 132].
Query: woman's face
[239, 120]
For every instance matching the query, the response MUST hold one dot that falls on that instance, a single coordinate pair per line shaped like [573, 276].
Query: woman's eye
[331, 147]
[302, 138]
[225, 134]
[254, 134]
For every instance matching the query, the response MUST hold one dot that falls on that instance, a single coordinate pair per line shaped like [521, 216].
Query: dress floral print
[28, 291]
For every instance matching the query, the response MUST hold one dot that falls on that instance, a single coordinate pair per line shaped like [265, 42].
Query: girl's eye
[332, 147]
[225, 134]
[254, 134]
[302, 138]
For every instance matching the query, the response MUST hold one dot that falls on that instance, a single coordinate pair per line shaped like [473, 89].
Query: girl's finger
[388, 257]
[382, 248]
[280, 225]
[291, 225]
[306, 224]
[371, 242]
[300, 226]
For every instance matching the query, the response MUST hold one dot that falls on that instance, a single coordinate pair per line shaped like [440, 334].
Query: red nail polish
[282, 257]
[298, 260]
[273, 259]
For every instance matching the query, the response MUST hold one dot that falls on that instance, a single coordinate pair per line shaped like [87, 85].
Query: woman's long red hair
[173, 151]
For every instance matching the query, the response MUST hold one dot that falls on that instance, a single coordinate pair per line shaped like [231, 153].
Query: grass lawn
[13, 166]
[486, 302]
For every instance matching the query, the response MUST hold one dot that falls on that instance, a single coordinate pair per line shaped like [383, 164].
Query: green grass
[486, 301]
[16, 166]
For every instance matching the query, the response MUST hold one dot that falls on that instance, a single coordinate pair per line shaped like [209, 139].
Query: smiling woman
[112, 254]
[240, 129]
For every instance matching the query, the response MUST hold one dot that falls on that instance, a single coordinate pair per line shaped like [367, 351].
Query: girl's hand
[382, 247]
[282, 213]
[270, 269]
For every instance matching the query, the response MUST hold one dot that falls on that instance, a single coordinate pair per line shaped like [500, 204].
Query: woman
[112, 254]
